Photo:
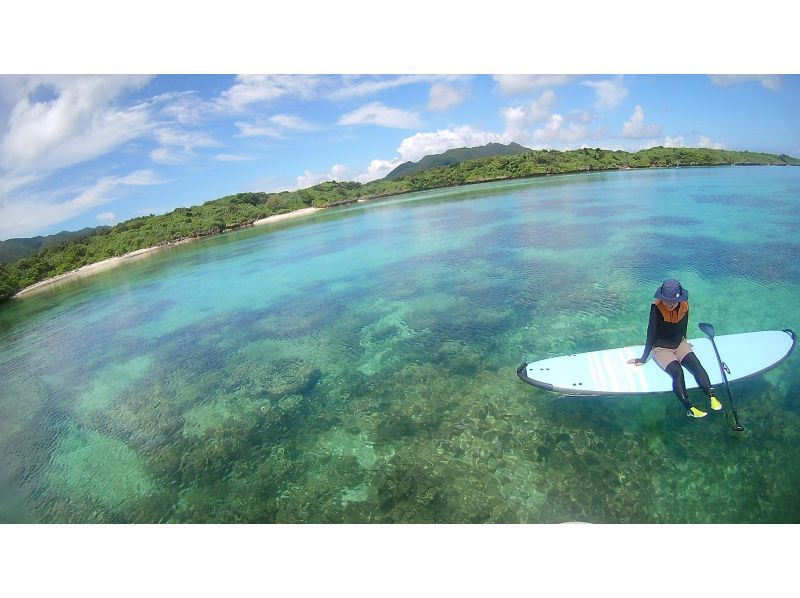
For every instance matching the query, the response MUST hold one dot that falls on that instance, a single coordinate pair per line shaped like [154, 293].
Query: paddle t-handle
[708, 330]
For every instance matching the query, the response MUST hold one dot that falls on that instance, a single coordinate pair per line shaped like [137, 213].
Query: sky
[86, 150]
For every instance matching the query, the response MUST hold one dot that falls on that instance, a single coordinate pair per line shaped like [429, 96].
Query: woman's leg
[667, 361]
[675, 371]
[691, 363]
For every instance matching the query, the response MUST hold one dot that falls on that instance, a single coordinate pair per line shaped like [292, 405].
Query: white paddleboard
[608, 372]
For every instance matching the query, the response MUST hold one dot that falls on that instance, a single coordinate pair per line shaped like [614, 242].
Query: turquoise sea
[359, 364]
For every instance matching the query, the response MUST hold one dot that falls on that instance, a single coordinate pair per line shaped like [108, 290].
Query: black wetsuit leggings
[691, 363]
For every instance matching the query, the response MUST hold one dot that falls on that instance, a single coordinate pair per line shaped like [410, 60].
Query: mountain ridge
[12, 250]
[455, 156]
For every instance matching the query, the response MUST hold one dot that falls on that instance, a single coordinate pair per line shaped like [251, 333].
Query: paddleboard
[608, 372]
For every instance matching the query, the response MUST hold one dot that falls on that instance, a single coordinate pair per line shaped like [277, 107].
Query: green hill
[455, 156]
[12, 250]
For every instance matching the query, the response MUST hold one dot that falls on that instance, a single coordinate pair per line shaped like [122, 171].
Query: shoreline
[94, 268]
[113, 262]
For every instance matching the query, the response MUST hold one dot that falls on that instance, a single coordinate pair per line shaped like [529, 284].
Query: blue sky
[85, 150]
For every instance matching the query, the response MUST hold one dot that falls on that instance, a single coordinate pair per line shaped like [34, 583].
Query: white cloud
[555, 131]
[183, 106]
[516, 119]
[442, 97]
[61, 121]
[378, 169]
[164, 155]
[610, 92]
[32, 214]
[250, 89]
[275, 126]
[257, 130]
[106, 216]
[338, 172]
[309, 179]
[703, 141]
[674, 141]
[540, 109]
[141, 178]
[635, 128]
[289, 121]
[422, 144]
[771, 82]
[27, 217]
[269, 184]
[384, 116]
[600, 133]
[186, 140]
[521, 84]
[10, 183]
[519, 119]
[103, 191]
[706, 142]
[356, 86]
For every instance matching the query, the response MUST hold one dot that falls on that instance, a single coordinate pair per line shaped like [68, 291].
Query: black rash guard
[661, 333]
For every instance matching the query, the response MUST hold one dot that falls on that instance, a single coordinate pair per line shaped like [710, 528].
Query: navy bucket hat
[671, 290]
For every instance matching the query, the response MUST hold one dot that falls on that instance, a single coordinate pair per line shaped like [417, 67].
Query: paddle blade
[707, 329]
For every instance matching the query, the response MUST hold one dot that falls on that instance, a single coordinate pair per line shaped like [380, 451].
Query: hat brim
[684, 296]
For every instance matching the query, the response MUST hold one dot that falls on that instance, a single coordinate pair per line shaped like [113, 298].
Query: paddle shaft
[738, 427]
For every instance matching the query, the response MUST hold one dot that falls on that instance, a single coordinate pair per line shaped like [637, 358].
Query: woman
[666, 338]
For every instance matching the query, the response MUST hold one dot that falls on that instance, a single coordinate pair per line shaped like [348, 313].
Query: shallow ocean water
[359, 365]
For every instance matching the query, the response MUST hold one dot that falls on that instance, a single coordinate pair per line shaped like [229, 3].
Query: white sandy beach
[87, 270]
[113, 262]
[279, 217]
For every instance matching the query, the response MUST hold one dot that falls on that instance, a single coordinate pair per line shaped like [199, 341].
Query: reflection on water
[359, 365]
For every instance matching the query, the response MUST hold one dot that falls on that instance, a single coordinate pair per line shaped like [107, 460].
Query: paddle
[708, 330]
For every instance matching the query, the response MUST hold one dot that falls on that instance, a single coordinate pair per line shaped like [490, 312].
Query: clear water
[359, 365]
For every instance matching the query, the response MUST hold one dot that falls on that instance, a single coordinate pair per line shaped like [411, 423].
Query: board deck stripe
[643, 386]
[626, 371]
[593, 371]
[611, 373]
[600, 373]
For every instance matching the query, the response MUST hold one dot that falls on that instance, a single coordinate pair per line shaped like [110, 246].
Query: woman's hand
[636, 361]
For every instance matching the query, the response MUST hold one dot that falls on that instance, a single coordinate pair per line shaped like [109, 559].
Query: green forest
[242, 209]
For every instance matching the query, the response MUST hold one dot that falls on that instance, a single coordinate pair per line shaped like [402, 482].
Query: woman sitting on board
[666, 338]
